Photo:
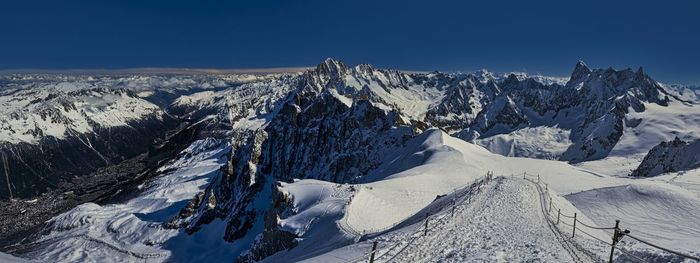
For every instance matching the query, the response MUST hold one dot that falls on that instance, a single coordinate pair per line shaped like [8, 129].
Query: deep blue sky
[545, 37]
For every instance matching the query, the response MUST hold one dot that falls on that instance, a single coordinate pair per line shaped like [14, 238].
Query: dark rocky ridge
[671, 156]
[313, 134]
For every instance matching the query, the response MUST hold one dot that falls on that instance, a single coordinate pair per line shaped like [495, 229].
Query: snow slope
[445, 163]
[643, 131]
[5, 258]
[133, 231]
[326, 115]
[330, 218]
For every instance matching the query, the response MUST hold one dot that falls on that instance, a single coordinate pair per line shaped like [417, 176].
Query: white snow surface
[643, 131]
[5, 258]
[437, 164]
[63, 113]
[330, 218]
[539, 142]
[133, 231]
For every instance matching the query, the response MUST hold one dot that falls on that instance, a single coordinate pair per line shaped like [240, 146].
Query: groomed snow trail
[504, 223]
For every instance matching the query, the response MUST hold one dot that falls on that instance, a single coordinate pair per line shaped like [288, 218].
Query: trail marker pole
[374, 250]
[573, 234]
[550, 205]
[614, 240]
[558, 214]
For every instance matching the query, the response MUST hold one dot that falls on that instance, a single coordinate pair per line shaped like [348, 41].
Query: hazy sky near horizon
[545, 37]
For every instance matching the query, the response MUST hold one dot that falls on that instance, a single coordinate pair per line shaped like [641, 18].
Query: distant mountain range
[333, 123]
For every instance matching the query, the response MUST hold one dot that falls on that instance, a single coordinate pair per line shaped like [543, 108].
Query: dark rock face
[336, 123]
[29, 169]
[671, 156]
[313, 135]
[464, 99]
[272, 239]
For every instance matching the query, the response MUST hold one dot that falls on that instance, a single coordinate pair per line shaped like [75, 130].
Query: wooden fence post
[374, 249]
[558, 214]
[614, 240]
[573, 234]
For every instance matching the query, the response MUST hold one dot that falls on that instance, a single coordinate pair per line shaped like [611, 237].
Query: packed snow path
[504, 223]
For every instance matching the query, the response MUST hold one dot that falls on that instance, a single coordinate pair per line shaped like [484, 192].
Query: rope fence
[617, 234]
[463, 193]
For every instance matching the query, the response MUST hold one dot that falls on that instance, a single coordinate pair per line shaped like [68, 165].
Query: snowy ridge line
[617, 230]
[486, 179]
[474, 184]
[465, 193]
[458, 192]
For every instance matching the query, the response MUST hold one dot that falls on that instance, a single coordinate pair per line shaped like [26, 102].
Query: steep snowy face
[313, 132]
[606, 96]
[672, 156]
[336, 123]
[592, 105]
[59, 110]
[464, 99]
[240, 108]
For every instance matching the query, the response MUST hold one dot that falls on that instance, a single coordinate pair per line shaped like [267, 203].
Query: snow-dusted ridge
[310, 162]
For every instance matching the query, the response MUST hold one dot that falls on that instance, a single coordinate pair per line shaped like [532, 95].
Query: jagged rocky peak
[581, 71]
[332, 68]
[604, 84]
[485, 76]
[672, 156]
[365, 69]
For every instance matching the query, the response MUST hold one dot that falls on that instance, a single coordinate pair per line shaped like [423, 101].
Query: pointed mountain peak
[364, 68]
[332, 67]
[640, 73]
[581, 70]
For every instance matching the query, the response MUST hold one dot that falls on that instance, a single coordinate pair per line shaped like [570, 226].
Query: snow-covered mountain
[286, 160]
[55, 127]
[672, 156]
